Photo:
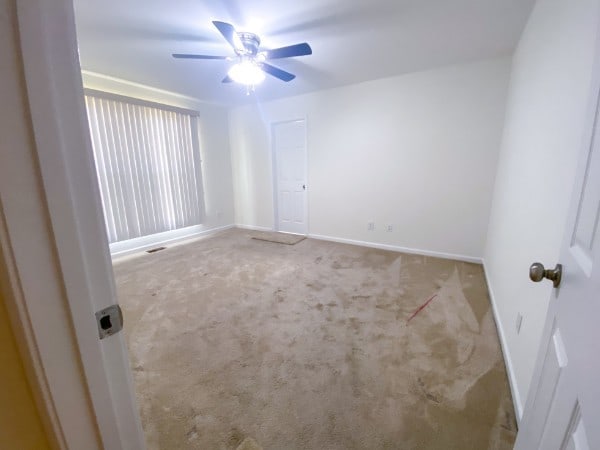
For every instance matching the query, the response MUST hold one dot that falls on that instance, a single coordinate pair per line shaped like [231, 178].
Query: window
[148, 164]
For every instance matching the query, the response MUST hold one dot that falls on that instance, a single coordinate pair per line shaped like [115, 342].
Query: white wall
[215, 153]
[548, 97]
[418, 151]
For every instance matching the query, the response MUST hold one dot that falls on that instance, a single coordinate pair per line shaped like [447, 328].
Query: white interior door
[563, 407]
[289, 146]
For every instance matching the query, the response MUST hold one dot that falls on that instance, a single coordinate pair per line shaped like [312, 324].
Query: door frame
[274, 171]
[74, 276]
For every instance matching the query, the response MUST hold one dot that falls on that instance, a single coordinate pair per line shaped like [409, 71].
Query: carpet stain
[237, 344]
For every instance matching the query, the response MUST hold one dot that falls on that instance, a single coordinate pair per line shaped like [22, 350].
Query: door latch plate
[110, 321]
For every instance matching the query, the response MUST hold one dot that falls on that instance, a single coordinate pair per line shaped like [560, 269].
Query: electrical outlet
[519, 322]
[389, 228]
[371, 226]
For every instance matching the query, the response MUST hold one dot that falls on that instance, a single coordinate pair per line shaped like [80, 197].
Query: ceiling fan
[251, 65]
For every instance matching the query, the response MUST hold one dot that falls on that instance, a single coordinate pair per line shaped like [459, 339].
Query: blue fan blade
[277, 73]
[186, 56]
[229, 33]
[227, 79]
[289, 51]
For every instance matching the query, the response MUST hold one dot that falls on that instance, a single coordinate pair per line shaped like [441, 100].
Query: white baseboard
[252, 227]
[395, 248]
[125, 248]
[517, 401]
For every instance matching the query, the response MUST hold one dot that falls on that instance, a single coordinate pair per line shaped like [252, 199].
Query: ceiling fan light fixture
[246, 72]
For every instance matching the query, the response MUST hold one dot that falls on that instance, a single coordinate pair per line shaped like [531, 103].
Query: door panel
[563, 409]
[571, 421]
[577, 439]
[289, 146]
[586, 223]
[553, 365]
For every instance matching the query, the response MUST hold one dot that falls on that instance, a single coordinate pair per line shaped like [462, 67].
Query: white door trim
[77, 235]
[274, 172]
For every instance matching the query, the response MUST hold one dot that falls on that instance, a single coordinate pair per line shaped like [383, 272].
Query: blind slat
[146, 167]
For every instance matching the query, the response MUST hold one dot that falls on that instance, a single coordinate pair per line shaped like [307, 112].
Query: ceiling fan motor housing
[251, 43]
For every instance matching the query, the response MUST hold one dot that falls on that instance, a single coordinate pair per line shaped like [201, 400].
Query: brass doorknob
[537, 272]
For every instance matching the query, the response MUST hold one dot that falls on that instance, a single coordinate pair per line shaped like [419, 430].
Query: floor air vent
[157, 249]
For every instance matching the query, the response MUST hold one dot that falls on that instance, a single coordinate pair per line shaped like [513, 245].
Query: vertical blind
[148, 166]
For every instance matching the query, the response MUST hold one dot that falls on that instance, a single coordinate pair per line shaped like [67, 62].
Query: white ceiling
[352, 40]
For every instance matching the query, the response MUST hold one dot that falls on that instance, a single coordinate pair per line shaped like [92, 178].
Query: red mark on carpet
[421, 308]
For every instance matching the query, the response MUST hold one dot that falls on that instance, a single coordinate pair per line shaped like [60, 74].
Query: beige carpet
[236, 342]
